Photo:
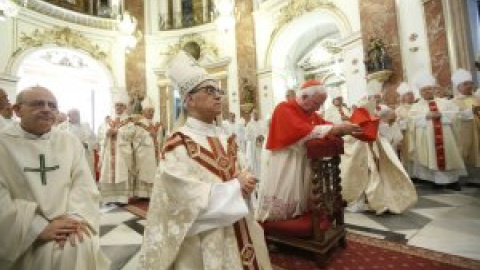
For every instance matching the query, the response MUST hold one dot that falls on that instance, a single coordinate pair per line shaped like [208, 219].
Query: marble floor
[442, 220]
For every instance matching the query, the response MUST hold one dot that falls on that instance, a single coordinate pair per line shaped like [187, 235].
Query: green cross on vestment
[42, 170]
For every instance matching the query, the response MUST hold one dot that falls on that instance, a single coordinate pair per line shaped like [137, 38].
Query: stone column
[246, 57]
[459, 40]
[135, 58]
[437, 40]
[379, 20]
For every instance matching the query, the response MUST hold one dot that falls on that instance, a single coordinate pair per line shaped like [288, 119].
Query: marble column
[459, 40]
[437, 40]
[379, 20]
[135, 58]
[246, 52]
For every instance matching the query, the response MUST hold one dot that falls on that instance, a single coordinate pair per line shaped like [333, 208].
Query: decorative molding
[70, 16]
[62, 37]
[208, 51]
[297, 8]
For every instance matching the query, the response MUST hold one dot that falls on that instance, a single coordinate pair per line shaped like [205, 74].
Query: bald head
[74, 116]
[3, 99]
[37, 108]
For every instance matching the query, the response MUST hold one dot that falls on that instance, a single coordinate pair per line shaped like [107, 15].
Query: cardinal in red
[284, 191]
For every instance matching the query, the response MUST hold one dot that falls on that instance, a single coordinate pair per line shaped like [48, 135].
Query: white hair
[311, 90]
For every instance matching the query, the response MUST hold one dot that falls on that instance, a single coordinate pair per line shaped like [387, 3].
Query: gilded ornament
[297, 8]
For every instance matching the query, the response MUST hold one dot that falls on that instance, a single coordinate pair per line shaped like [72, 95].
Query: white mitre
[374, 88]
[147, 103]
[424, 79]
[185, 73]
[403, 88]
[119, 95]
[460, 76]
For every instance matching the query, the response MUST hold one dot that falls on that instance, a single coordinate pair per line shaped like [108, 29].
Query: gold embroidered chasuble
[178, 235]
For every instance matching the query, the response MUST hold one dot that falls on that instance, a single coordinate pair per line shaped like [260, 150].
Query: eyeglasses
[40, 104]
[209, 90]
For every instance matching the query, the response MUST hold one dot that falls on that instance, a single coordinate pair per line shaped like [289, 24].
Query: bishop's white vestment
[436, 154]
[42, 178]
[117, 160]
[146, 153]
[404, 123]
[86, 136]
[372, 174]
[468, 136]
[198, 218]
[334, 114]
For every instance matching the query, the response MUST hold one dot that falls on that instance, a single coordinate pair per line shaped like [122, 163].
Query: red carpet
[362, 253]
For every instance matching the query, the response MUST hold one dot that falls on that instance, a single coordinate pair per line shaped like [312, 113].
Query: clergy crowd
[209, 182]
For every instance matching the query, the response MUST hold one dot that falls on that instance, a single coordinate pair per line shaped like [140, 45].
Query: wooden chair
[323, 228]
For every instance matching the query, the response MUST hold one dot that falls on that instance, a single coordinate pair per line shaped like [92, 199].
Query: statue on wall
[377, 56]
[248, 96]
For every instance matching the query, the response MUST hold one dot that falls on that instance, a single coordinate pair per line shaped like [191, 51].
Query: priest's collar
[16, 129]
[201, 128]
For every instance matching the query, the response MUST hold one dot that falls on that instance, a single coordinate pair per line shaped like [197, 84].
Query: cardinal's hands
[346, 128]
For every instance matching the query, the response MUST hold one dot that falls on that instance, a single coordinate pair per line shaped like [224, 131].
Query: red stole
[223, 164]
[290, 124]
[438, 137]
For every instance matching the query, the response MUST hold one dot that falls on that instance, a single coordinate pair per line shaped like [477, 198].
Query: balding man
[3, 104]
[50, 204]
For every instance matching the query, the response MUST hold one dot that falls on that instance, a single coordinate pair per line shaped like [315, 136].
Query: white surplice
[116, 161]
[146, 151]
[253, 131]
[405, 124]
[86, 136]
[422, 143]
[30, 198]
[189, 222]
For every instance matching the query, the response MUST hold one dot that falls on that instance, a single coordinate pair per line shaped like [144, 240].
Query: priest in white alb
[200, 215]
[373, 178]
[84, 134]
[117, 154]
[468, 126]
[437, 157]
[146, 150]
[407, 98]
[285, 191]
[255, 134]
[50, 204]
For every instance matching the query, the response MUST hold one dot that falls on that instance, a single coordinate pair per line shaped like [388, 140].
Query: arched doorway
[77, 80]
[296, 46]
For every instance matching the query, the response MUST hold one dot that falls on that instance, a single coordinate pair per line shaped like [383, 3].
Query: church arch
[73, 75]
[298, 36]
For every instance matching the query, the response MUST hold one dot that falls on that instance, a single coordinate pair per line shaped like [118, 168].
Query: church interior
[87, 52]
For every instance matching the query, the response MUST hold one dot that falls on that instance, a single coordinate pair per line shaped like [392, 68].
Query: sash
[223, 164]
[113, 143]
[438, 137]
[152, 129]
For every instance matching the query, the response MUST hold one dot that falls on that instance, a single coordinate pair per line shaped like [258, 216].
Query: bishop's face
[148, 113]
[427, 92]
[466, 88]
[205, 101]
[37, 110]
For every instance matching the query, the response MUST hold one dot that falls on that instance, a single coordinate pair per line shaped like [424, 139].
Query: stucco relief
[207, 52]
[62, 37]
